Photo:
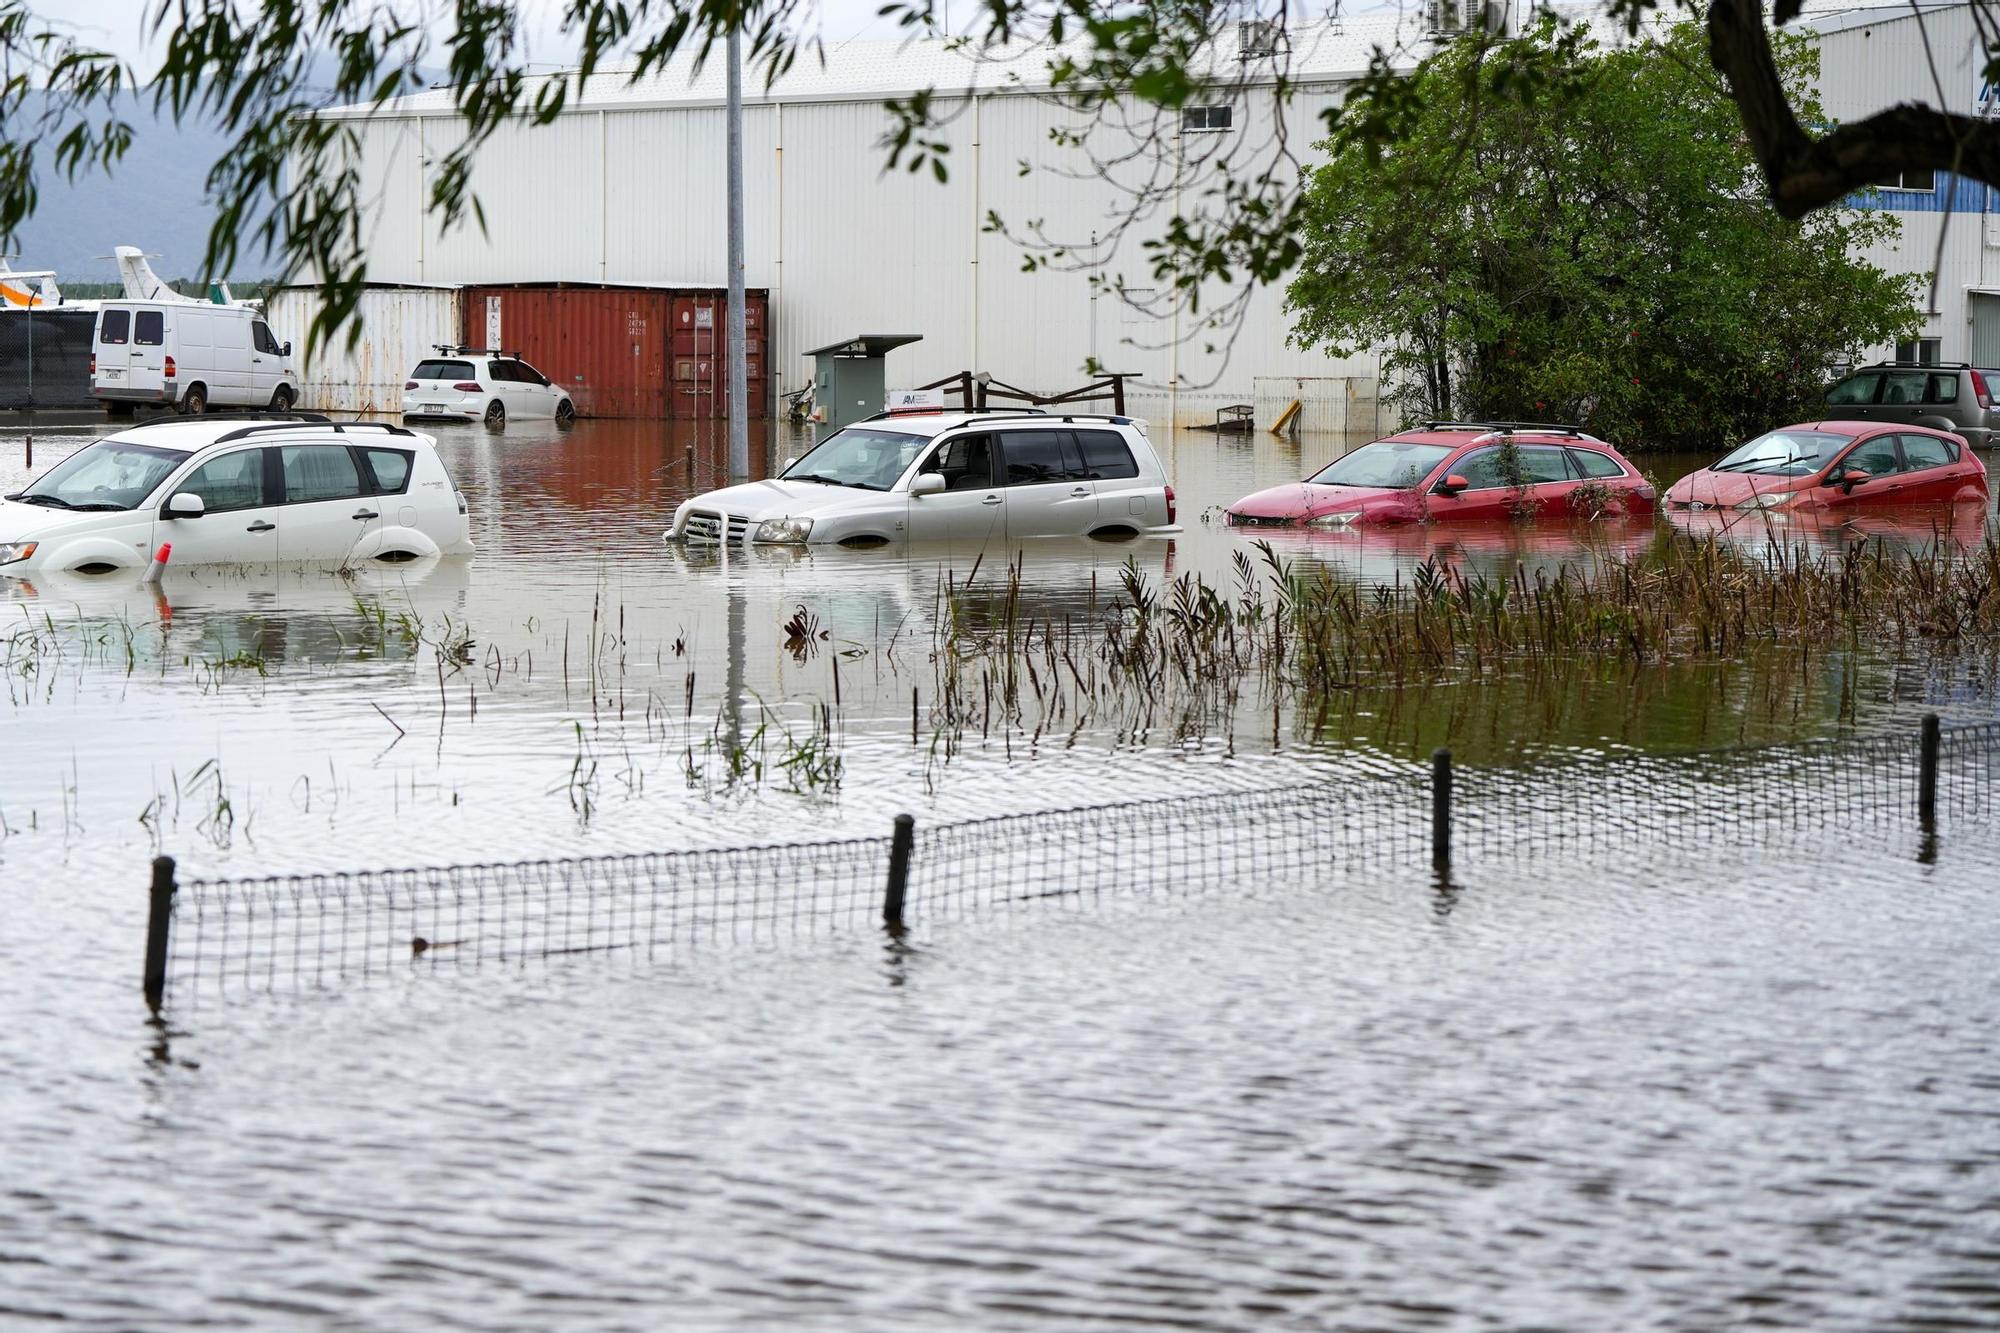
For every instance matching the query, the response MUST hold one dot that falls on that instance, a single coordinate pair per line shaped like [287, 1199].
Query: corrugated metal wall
[399, 327]
[843, 246]
[626, 352]
[1872, 61]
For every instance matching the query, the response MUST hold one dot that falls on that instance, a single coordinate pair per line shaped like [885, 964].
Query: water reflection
[1774, 534]
[1496, 551]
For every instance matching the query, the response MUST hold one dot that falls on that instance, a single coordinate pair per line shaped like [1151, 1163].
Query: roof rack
[248, 414]
[338, 427]
[957, 411]
[451, 349]
[1509, 427]
[1918, 365]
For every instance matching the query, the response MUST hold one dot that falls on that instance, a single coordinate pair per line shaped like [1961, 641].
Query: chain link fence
[286, 933]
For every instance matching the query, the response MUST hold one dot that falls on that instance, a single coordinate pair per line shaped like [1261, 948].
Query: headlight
[783, 530]
[1340, 520]
[1766, 501]
[10, 552]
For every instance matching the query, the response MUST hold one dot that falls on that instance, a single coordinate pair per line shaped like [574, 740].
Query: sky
[119, 25]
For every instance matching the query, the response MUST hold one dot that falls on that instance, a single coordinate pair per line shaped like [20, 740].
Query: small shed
[850, 377]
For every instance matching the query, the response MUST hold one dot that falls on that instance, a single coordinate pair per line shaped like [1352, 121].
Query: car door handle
[366, 513]
[1081, 492]
[260, 526]
[991, 500]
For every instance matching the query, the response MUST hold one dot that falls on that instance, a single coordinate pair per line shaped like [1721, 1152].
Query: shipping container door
[697, 329]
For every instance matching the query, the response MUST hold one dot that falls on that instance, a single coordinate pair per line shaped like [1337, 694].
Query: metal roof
[869, 70]
[1326, 51]
[867, 344]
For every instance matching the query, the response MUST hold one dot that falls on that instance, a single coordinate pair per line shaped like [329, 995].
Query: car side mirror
[286, 350]
[927, 483]
[789, 464]
[1854, 476]
[1453, 484]
[186, 504]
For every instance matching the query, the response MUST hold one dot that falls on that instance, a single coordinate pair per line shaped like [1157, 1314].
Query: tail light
[1979, 389]
[467, 386]
[169, 371]
[1170, 504]
[461, 500]
[409, 385]
[93, 363]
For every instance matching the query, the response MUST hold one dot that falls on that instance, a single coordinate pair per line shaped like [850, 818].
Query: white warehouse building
[1875, 58]
[626, 187]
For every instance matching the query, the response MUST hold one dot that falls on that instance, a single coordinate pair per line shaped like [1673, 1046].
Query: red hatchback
[1837, 465]
[1450, 471]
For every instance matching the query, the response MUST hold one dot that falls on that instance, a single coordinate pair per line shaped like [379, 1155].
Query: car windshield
[111, 474]
[859, 456]
[1396, 464]
[1791, 453]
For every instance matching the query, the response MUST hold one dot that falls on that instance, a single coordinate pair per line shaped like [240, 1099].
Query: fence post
[157, 919]
[1927, 771]
[899, 870]
[1441, 810]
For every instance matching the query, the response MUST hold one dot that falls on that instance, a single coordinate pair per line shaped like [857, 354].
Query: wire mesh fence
[295, 932]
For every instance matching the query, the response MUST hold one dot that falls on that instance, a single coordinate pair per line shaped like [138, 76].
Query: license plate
[114, 374]
[435, 409]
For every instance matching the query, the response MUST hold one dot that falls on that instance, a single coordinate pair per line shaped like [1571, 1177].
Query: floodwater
[1729, 1095]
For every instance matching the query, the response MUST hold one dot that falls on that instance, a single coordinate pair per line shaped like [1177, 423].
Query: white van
[188, 355]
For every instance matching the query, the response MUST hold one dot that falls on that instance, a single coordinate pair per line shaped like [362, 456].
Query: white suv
[963, 476]
[475, 384]
[236, 492]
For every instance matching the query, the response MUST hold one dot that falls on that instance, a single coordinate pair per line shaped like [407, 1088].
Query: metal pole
[739, 384]
[158, 917]
[899, 870]
[1927, 773]
[1441, 810]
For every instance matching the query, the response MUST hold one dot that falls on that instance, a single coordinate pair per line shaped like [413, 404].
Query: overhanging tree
[1575, 234]
[260, 69]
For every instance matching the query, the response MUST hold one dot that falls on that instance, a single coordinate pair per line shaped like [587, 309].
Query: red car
[1837, 465]
[1449, 471]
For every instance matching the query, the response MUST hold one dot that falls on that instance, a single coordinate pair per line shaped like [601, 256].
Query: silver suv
[952, 476]
[1954, 397]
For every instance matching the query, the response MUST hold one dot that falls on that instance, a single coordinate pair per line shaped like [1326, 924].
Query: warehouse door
[1983, 312]
[697, 357]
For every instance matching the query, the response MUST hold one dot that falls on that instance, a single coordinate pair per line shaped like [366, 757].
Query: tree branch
[1807, 173]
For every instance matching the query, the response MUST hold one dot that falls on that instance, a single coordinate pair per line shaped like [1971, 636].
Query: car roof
[191, 434]
[1455, 437]
[1869, 427]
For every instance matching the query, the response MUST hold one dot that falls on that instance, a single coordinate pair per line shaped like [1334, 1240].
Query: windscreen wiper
[814, 476]
[56, 500]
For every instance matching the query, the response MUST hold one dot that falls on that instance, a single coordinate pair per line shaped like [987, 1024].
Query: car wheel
[282, 400]
[195, 401]
[565, 413]
[496, 415]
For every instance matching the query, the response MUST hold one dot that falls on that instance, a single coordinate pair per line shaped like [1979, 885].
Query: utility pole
[739, 384]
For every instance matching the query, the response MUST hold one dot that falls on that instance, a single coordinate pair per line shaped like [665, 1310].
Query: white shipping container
[400, 326]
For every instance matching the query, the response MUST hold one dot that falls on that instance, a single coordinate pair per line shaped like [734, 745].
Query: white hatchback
[472, 384]
[959, 476]
[236, 492]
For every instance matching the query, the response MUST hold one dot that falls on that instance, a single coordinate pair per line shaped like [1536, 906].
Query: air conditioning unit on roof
[1257, 39]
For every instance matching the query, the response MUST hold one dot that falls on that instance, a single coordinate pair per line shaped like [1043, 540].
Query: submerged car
[227, 492]
[474, 384]
[1836, 465]
[1450, 471]
[959, 476]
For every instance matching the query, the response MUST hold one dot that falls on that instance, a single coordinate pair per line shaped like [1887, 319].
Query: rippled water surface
[1667, 1094]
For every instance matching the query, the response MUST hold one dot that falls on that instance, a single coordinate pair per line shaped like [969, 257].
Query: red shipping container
[651, 353]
